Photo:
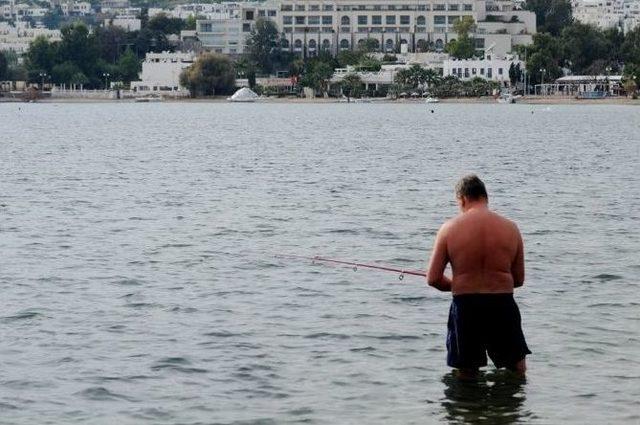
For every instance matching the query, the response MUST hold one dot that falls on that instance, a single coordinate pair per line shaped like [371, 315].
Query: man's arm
[438, 262]
[517, 267]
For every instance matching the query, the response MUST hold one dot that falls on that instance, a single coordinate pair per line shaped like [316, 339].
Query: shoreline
[529, 100]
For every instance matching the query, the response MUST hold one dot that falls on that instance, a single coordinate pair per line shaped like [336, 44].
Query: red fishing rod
[355, 265]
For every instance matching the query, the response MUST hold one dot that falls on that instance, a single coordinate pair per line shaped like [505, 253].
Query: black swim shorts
[484, 323]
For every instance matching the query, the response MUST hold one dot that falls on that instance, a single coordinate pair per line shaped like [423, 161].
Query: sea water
[139, 284]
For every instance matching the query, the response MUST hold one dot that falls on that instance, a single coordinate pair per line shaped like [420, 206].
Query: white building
[17, 38]
[161, 74]
[228, 34]
[623, 14]
[76, 8]
[489, 68]
[309, 26]
[126, 22]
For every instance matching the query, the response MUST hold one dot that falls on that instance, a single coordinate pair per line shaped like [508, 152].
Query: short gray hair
[471, 187]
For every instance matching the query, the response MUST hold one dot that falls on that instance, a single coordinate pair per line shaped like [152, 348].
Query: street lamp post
[106, 76]
[42, 75]
[608, 87]
[542, 71]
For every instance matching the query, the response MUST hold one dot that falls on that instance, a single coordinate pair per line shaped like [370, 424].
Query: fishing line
[356, 265]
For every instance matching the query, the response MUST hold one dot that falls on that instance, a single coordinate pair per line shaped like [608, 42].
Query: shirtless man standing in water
[487, 260]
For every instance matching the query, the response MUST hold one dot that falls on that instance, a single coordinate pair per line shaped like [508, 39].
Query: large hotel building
[394, 25]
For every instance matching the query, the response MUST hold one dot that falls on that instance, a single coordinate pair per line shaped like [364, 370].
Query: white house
[161, 74]
[488, 68]
[18, 38]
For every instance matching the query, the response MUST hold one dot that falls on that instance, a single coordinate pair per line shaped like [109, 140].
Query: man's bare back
[486, 254]
[485, 251]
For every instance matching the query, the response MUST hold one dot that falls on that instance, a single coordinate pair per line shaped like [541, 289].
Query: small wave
[326, 335]
[362, 349]
[223, 334]
[393, 337]
[102, 394]
[178, 364]
[607, 277]
[23, 315]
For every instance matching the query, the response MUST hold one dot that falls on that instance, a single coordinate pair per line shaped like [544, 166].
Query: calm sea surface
[139, 285]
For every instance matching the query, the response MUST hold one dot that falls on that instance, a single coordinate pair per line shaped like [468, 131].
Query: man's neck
[476, 206]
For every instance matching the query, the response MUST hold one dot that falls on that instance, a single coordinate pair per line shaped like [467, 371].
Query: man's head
[470, 190]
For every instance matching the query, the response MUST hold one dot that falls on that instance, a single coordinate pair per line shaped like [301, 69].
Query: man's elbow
[518, 283]
[433, 280]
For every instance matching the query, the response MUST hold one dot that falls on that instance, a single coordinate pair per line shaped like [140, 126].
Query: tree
[190, 23]
[582, 45]
[211, 74]
[52, 18]
[425, 46]
[463, 47]
[369, 45]
[262, 44]
[128, 67]
[78, 46]
[351, 86]
[551, 15]
[41, 55]
[164, 24]
[4, 67]
[412, 77]
[317, 76]
[109, 41]
[65, 72]
[630, 48]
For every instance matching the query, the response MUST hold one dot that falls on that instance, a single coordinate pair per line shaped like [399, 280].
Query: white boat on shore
[432, 100]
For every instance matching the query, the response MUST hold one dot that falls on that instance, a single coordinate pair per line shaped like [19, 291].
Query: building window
[438, 7]
[405, 19]
[287, 20]
[297, 44]
[271, 13]
[466, 73]
[454, 7]
[312, 44]
[326, 44]
[284, 43]
[300, 20]
[421, 20]
[388, 44]
[286, 8]
[327, 20]
[206, 27]
[489, 72]
[246, 27]
[362, 20]
[453, 19]
[468, 7]
[262, 13]
[473, 71]
[314, 20]
[314, 7]
[376, 20]
[345, 20]
[344, 43]
[390, 20]
[249, 15]
[327, 7]
[499, 71]
[300, 8]
[481, 71]
[439, 20]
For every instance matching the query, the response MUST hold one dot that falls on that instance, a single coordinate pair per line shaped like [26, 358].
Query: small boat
[432, 100]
